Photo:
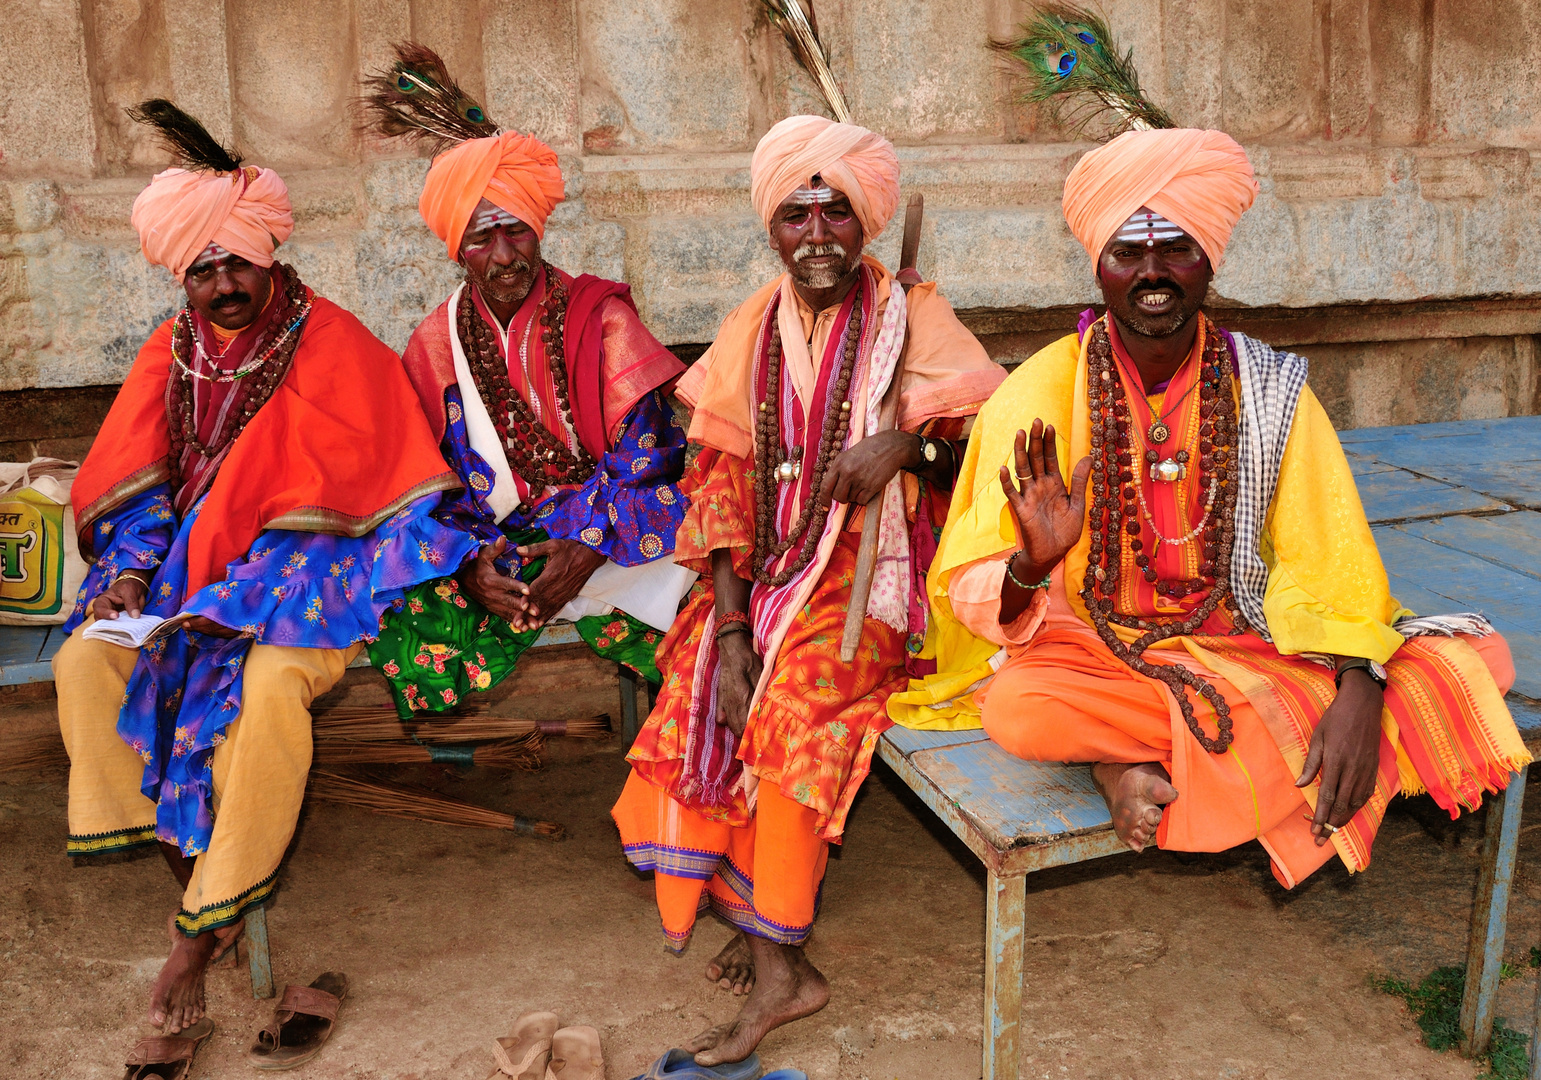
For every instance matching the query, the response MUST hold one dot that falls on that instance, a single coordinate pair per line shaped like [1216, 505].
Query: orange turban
[1199, 180]
[181, 213]
[859, 163]
[516, 172]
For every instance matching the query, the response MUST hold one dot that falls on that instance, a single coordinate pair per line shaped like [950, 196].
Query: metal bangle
[131, 572]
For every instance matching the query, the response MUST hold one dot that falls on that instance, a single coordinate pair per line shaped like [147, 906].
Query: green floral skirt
[441, 645]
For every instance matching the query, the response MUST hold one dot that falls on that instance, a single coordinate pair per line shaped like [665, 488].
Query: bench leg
[1535, 1038]
[1490, 914]
[630, 723]
[1005, 904]
[257, 952]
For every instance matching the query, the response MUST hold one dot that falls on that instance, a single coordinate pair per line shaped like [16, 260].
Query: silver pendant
[1168, 470]
[788, 471]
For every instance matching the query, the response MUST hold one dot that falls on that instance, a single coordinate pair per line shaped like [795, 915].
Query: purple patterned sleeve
[133, 536]
[629, 510]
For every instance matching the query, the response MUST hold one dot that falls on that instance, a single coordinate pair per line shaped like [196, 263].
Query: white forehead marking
[212, 254]
[809, 196]
[1148, 226]
[491, 218]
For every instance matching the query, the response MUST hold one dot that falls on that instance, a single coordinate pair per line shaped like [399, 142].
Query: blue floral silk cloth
[628, 511]
[307, 590]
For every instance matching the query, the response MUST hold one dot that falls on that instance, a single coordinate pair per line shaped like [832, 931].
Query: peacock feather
[802, 34]
[1073, 65]
[185, 137]
[416, 99]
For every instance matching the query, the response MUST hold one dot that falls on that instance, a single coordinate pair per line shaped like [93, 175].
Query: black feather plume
[416, 99]
[185, 137]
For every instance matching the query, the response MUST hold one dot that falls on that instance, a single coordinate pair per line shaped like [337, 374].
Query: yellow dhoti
[259, 770]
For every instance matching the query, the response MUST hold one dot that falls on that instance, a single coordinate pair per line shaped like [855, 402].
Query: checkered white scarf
[1271, 381]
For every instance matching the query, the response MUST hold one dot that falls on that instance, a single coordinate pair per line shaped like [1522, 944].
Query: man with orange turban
[761, 737]
[264, 478]
[546, 394]
[1210, 626]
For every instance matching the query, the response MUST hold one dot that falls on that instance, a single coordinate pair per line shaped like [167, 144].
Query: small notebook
[132, 632]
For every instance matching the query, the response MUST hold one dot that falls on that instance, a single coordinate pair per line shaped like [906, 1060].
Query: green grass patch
[1436, 1007]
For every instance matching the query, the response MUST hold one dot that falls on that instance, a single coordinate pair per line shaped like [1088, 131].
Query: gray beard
[819, 277]
[508, 288]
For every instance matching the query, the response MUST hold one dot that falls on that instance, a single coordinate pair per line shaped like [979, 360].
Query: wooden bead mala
[769, 454]
[255, 383]
[1114, 514]
[538, 456]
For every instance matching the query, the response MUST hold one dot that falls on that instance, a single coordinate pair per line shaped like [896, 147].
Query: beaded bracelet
[1048, 579]
[732, 622]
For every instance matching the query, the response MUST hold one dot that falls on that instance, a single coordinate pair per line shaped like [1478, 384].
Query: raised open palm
[1049, 518]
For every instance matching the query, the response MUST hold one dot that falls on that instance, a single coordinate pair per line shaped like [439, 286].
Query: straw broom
[424, 804]
[522, 753]
[33, 752]
[801, 31]
[369, 723]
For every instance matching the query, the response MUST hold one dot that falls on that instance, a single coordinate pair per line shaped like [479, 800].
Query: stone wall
[1393, 141]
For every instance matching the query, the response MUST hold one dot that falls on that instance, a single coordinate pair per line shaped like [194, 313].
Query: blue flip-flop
[681, 1065]
[785, 1074]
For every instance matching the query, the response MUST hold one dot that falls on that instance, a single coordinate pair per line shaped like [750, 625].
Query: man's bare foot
[733, 968]
[176, 999]
[786, 988]
[1135, 795]
[225, 937]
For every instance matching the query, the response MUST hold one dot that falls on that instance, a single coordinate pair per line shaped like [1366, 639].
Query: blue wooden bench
[1455, 512]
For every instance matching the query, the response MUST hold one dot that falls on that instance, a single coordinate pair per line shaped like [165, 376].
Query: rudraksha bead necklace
[540, 457]
[1112, 518]
[254, 382]
[770, 456]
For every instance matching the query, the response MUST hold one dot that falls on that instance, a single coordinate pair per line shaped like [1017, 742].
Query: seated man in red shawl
[761, 737]
[547, 395]
[266, 475]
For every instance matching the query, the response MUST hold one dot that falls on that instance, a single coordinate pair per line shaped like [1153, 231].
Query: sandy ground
[1157, 966]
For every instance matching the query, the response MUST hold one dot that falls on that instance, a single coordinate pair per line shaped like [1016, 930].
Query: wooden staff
[867, 554]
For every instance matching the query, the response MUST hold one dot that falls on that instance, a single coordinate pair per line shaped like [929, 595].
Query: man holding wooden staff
[762, 735]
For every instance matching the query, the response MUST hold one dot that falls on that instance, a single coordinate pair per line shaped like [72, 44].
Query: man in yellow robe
[1201, 614]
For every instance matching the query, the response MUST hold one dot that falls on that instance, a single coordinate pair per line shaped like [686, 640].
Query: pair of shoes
[540, 1049]
[681, 1065]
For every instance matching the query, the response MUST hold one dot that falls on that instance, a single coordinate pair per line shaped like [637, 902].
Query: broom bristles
[34, 752]
[365, 723]
[522, 753]
[423, 804]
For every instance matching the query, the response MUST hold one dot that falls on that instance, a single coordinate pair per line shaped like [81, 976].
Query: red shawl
[612, 360]
[340, 446]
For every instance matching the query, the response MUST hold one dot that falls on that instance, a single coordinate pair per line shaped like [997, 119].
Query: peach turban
[1199, 180]
[514, 171]
[181, 213]
[860, 163]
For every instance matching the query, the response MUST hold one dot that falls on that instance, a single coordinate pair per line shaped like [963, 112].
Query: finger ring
[1019, 476]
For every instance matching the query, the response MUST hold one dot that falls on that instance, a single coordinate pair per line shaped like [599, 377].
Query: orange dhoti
[1068, 698]
[809, 745]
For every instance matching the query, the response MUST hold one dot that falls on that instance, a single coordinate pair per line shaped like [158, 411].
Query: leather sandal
[576, 1055]
[525, 1053]
[302, 1022]
[167, 1057]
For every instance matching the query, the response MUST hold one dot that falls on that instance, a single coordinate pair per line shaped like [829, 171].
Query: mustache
[229, 300]
[512, 270]
[810, 250]
[1159, 285]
